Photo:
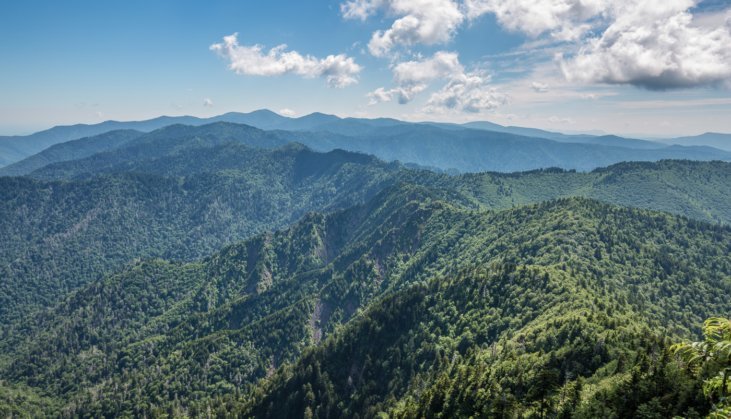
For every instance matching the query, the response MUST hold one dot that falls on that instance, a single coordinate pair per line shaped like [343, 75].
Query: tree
[710, 360]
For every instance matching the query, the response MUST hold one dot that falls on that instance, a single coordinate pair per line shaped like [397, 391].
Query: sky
[646, 68]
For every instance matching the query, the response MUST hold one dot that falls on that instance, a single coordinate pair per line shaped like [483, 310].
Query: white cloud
[463, 92]
[287, 112]
[427, 22]
[539, 87]
[404, 95]
[654, 45]
[338, 70]
[413, 77]
[360, 9]
[441, 64]
[468, 92]
[207, 103]
[564, 19]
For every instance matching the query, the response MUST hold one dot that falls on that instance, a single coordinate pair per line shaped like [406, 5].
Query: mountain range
[475, 146]
[277, 267]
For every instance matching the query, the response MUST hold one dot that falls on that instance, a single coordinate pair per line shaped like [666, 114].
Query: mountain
[693, 189]
[167, 141]
[58, 235]
[262, 119]
[709, 139]
[183, 192]
[71, 150]
[376, 308]
[470, 150]
[224, 269]
[610, 140]
[443, 146]
[15, 148]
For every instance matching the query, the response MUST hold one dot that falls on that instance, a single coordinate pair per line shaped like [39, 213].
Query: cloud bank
[653, 44]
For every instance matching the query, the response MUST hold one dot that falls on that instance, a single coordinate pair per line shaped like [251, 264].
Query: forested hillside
[572, 289]
[58, 235]
[182, 194]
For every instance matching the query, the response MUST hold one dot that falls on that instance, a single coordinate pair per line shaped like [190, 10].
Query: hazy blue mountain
[71, 150]
[472, 150]
[308, 122]
[15, 148]
[369, 137]
[162, 142]
[611, 140]
[691, 188]
[444, 148]
[710, 139]
[262, 119]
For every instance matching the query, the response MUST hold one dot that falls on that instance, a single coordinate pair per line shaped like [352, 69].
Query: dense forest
[181, 193]
[377, 306]
[220, 271]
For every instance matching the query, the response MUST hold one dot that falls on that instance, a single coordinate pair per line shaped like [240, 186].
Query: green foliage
[710, 359]
[18, 401]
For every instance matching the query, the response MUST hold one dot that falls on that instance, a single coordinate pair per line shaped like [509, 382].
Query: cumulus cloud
[427, 22]
[207, 103]
[656, 46]
[338, 70]
[413, 77]
[539, 87]
[464, 91]
[564, 19]
[360, 9]
[287, 112]
[404, 95]
[441, 64]
[468, 92]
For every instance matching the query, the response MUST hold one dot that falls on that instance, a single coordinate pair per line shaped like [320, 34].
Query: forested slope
[58, 235]
[417, 282]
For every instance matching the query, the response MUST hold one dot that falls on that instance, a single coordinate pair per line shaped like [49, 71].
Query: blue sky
[516, 62]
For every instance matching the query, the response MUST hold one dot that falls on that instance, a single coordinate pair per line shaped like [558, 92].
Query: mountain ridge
[13, 149]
